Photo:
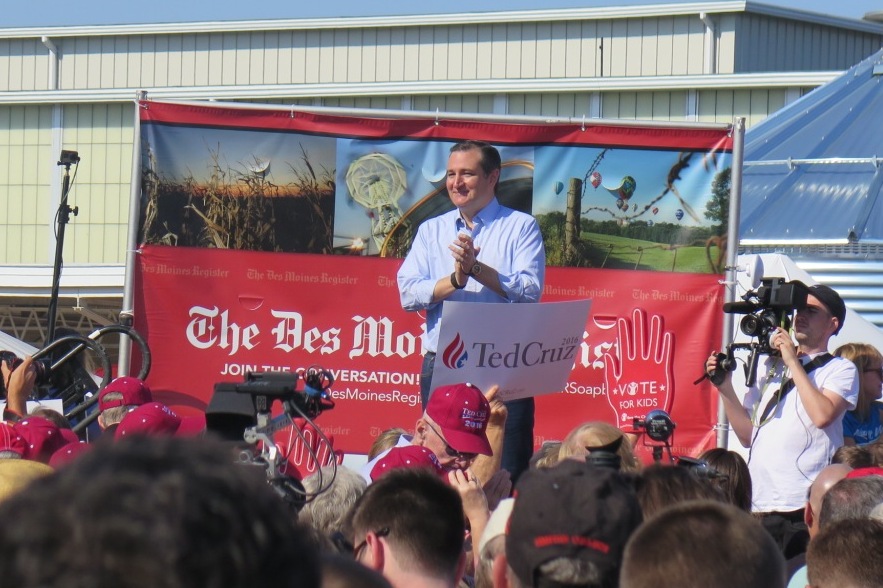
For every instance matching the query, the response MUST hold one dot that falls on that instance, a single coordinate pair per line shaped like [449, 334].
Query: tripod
[67, 159]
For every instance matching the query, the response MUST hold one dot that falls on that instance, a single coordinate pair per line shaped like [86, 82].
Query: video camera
[241, 411]
[660, 429]
[767, 308]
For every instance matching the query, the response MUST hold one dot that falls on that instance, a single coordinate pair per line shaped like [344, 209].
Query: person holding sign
[479, 252]
[792, 419]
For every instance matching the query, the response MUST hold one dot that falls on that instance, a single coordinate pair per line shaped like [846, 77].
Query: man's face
[814, 325]
[431, 437]
[469, 188]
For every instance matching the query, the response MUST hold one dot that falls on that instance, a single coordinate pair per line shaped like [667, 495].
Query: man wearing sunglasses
[453, 427]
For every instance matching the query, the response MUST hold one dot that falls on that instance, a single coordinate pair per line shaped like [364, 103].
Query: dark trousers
[788, 530]
[518, 435]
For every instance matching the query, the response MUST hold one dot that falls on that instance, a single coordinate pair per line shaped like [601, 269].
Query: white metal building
[73, 88]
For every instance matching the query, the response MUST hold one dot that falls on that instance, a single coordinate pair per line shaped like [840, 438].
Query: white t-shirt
[788, 451]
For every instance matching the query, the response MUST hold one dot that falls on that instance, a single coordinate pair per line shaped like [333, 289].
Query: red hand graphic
[639, 371]
[306, 449]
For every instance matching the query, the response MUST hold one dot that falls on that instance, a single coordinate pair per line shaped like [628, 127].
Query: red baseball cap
[864, 472]
[10, 440]
[157, 419]
[134, 391]
[408, 456]
[462, 412]
[68, 453]
[42, 436]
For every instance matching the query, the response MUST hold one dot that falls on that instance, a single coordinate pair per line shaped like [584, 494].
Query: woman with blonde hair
[598, 434]
[863, 425]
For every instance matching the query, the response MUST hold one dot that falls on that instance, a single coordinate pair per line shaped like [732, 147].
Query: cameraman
[792, 428]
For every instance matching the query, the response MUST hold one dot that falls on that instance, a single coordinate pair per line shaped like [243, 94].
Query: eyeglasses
[357, 550]
[450, 450]
[878, 371]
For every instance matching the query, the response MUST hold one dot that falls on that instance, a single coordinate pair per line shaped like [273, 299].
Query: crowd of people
[157, 500]
[456, 498]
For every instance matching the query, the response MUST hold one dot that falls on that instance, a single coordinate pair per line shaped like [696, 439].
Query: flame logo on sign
[455, 354]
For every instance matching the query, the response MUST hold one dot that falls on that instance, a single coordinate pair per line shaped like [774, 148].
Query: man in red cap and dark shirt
[453, 427]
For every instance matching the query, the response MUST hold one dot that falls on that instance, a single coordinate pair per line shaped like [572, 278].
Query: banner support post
[127, 313]
[730, 272]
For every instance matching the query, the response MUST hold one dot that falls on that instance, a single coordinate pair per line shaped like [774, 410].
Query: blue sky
[17, 13]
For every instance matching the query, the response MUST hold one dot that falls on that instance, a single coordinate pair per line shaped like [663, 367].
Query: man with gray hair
[118, 398]
[851, 498]
[333, 494]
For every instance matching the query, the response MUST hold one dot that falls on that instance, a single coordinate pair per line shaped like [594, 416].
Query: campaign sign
[525, 349]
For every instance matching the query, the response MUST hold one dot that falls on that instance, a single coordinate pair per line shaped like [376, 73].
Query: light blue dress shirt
[509, 241]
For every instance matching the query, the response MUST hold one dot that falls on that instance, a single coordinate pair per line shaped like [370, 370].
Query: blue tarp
[827, 202]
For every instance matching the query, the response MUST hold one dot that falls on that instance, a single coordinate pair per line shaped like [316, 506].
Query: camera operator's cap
[573, 511]
[134, 393]
[10, 440]
[42, 436]
[157, 419]
[832, 301]
[462, 412]
[407, 456]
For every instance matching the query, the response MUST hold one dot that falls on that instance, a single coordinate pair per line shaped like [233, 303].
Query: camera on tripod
[767, 308]
[241, 411]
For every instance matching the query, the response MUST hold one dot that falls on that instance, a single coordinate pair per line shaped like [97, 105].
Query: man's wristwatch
[476, 269]
[454, 282]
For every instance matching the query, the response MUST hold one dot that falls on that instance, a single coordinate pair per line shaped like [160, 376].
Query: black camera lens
[41, 367]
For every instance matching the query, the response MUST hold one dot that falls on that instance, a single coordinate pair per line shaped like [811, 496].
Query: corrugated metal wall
[25, 144]
[776, 44]
[103, 135]
[581, 48]
[855, 271]
[625, 47]
[859, 281]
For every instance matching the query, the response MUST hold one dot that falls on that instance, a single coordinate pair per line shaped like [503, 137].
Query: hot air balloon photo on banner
[638, 209]
[624, 190]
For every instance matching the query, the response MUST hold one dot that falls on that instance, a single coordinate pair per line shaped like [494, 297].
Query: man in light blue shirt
[479, 252]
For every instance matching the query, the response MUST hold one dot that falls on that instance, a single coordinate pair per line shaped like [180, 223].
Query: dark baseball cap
[832, 301]
[574, 511]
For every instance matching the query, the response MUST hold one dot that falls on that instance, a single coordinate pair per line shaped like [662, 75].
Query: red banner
[271, 240]
[211, 316]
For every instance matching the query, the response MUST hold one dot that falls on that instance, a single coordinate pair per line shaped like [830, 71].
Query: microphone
[739, 307]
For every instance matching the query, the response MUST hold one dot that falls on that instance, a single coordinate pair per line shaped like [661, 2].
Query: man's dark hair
[846, 553]
[659, 486]
[853, 498]
[490, 157]
[424, 516]
[153, 512]
[702, 543]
